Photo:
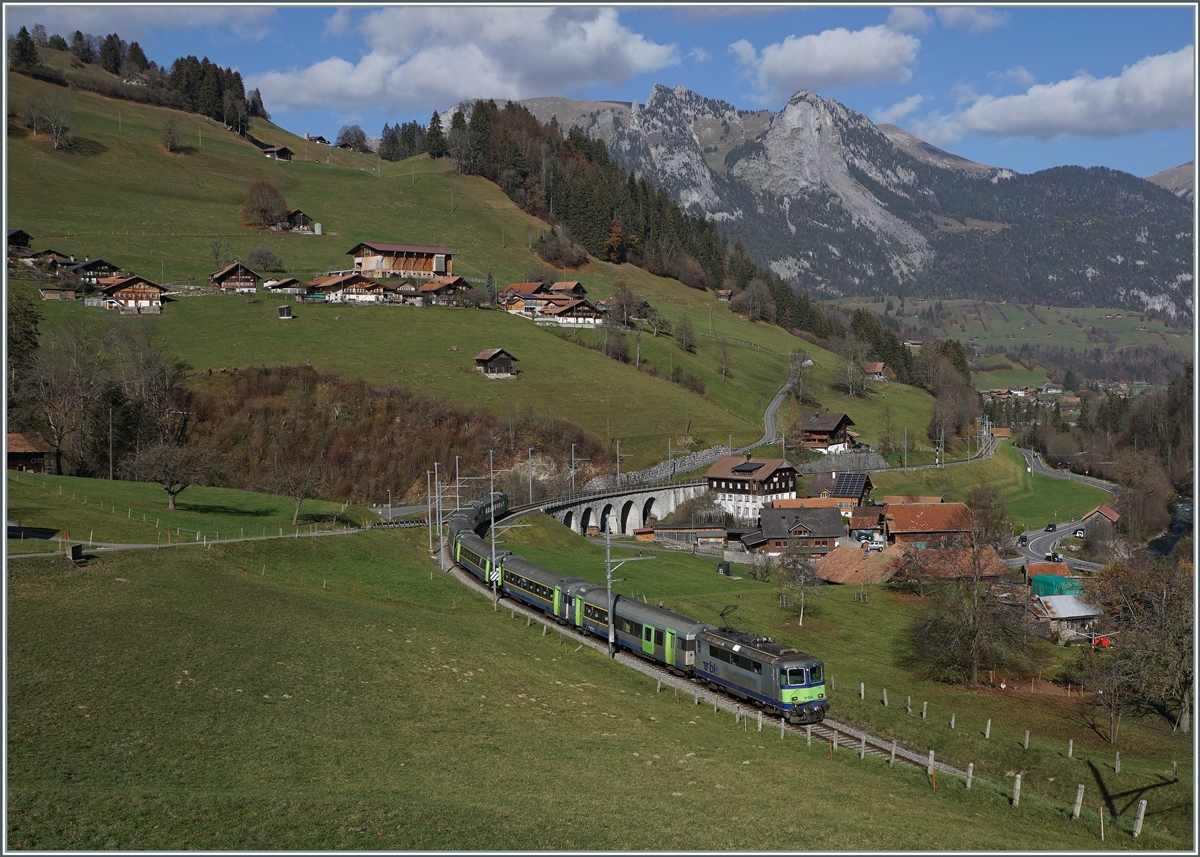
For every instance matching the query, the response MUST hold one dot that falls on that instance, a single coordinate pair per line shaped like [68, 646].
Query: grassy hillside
[1014, 324]
[338, 692]
[1033, 500]
[157, 214]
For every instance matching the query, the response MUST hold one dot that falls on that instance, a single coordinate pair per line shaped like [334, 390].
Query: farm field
[1033, 500]
[1014, 324]
[349, 696]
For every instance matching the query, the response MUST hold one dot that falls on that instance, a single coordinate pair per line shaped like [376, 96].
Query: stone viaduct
[622, 510]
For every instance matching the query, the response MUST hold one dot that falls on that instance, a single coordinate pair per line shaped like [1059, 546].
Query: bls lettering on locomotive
[710, 667]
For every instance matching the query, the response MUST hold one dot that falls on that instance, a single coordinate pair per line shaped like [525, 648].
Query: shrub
[559, 251]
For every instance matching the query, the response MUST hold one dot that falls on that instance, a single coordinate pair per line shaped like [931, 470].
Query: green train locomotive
[782, 680]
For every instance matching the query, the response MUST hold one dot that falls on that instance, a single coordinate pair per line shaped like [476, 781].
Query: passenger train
[783, 681]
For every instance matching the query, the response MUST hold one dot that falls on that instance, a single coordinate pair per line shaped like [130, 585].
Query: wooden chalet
[532, 305]
[131, 294]
[234, 278]
[496, 363]
[725, 295]
[823, 432]
[811, 531]
[377, 259]
[875, 370]
[742, 485]
[27, 452]
[404, 294]
[92, 271]
[363, 291]
[524, 289]
[297, 221]
[286, 286]
[58, 293]
[926, 525]
[575, 313]
[333, 288]
[317, 139]
[18, 239]
[278, 153]
[444, 291]
[1100, 522]
[573, 288]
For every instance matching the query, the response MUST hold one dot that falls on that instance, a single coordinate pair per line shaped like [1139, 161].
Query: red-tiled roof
[929, 518]
[853, 565]
[1001, 432]
[1105, 510]
[891, 499]
[439, 283]
[28, 442]
[806, 503]
[1060, 568]
[953, 563]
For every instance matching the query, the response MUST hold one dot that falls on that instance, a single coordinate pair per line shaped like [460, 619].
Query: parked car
[1051, 527]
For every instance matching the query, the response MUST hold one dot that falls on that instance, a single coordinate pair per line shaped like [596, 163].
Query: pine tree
[81, 46]
[135, 60]
[111, 55]
[435, 140]
[25, 55]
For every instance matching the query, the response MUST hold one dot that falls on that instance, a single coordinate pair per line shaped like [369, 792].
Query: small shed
[496, 363]
[278, 153]
[18, 239]
[58, 293]
[297, 221]
[285, 312]
[1068, 614]
[27, 452]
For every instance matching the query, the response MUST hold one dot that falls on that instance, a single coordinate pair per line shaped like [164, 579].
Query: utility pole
[573, 460]
[110, 467]
[671, 462]
[906, 447]
[609, 568]
[619, 457]
[457, 496]
[429, 510]
[492, 529]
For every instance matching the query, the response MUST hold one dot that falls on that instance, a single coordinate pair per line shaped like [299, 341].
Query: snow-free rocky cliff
[841, 206]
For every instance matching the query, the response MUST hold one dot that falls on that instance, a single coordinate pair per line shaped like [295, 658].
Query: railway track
[843, 736]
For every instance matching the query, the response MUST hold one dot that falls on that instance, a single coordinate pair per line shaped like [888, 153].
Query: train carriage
[539, 587]
[475, 555]
[658, 634]
[782, 680]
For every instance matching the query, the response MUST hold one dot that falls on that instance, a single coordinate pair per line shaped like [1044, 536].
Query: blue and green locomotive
[782, 680]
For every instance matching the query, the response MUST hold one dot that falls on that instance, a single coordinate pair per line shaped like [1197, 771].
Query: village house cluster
[380, 273]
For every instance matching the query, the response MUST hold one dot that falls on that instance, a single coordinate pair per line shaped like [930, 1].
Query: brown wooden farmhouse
[377, 259]
[279, 153]
[27, 452]
[928, 525]
[135, 294]
[443, 291]
[297, 221]
[824, 432]
[236, 277]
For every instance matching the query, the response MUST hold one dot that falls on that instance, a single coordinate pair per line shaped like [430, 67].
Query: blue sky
[1023, 87]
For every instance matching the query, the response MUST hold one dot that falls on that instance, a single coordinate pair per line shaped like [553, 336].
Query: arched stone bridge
[621, 510]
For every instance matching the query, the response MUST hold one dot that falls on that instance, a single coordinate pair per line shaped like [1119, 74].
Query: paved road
[769, 433]
[1035, 463]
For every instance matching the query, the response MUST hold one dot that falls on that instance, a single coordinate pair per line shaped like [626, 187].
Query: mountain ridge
[840, 206]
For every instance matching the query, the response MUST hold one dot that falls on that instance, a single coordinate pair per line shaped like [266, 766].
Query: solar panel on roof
[850, 484]
[748, 467]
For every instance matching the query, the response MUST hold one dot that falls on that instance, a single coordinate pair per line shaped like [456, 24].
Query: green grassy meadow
[347, 695]
[1032, 499]
[1015, 324]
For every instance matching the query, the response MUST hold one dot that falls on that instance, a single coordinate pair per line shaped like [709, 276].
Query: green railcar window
[791, 678]
[816, 674]
[658, 637]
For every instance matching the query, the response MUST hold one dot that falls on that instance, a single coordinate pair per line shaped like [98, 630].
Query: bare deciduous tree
[175, 466]
[264, 205]
[798, 581]
[69, 373]
[168, 132]
[299, 482]
[851, 375]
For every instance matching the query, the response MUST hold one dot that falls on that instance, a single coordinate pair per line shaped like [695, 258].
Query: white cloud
[421, 57]
[1156, 93]
[135, 22]
[898, 111]
[910, 19]
[338, 24]
[699, 55]
[1017, 74]
[869, 57]
[973, 19]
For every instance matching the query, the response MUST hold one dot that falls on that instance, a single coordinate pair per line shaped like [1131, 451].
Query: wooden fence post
[1026, 739]
[987, 732]
[1078, 803]
[862, 748]
[1070, 747]
[951, 721]
[930, 769]
[1137, 823]
[885, 705]
[1017, 791]
[970, 774]
[924, 709]
[892, 758]
[1117, 763]
[808, 735]
[862, 690]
